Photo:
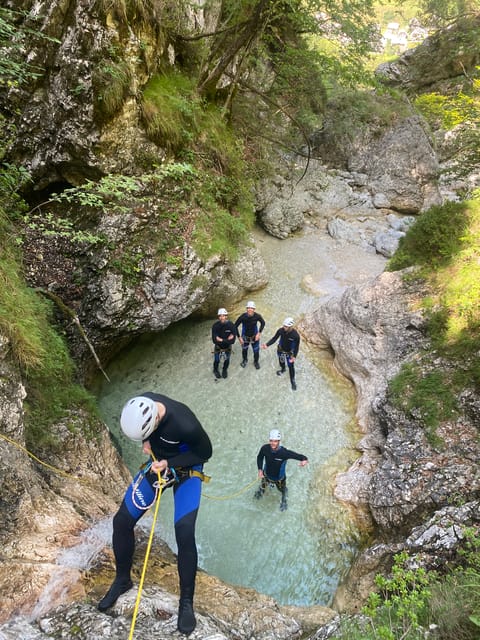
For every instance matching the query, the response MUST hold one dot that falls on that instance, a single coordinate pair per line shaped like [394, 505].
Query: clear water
[297, 556]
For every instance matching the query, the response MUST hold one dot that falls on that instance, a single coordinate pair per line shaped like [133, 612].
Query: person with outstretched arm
[287, 348]
[271, 462]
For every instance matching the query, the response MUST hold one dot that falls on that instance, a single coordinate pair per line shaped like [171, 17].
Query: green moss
[445, 242]
[429, 396]
[171, 110]
[111, 83]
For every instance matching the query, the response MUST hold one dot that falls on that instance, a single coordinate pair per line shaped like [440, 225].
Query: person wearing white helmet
[178, 446]
[252, 327]
[224, 333]
[271, 463]
[287, 348]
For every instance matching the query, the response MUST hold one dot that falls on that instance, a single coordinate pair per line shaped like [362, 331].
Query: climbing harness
[284, 356]
[170, 476]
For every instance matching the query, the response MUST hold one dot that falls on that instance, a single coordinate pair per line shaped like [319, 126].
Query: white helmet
[222, 312]
[275, 435]
[288, 322]
[138, 418]
[251, 305]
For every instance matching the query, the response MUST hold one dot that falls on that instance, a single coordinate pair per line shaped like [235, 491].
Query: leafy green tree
[251, 30]
[439, 13]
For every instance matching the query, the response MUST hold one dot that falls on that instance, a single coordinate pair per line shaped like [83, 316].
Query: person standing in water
[287, 348]
[224, 334]
[271, 462]
[179, 446]
[252, 327]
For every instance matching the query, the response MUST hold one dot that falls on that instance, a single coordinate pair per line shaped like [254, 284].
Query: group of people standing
[248, 329]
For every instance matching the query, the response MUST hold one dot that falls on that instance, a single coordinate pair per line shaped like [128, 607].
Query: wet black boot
[256, 362]
[224, 371]
[283, 503]
[216, 372]
[186, 617]
[119, 586]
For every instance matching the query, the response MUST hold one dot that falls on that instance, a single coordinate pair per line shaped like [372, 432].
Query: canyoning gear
[251, 328]
[275, 435]
[217, 373]
[139, 417]
[180, 439]
[289, 342]
[273, 463]
[251, 305]
[257, 364]
[224, 335]
[222, 312]
[243, 363]
[287, 350]
[117, 588]
[288, 322]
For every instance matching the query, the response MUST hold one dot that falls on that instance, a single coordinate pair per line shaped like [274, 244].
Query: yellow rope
[232, 495]
[65, 474]
[60, 472]
[147, 554]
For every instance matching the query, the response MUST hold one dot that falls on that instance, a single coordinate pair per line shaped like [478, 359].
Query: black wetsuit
[288, 346]
[223, 347]
[251, 325]
[181, 440]
[273, 463]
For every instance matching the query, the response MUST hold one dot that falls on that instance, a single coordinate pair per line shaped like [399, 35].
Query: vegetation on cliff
[444, 246]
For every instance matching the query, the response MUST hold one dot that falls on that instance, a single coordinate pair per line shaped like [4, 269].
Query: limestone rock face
[405, 479]
[402, 167]
[393, 171]
[45, 507]
[371, 329]
[82, 119]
